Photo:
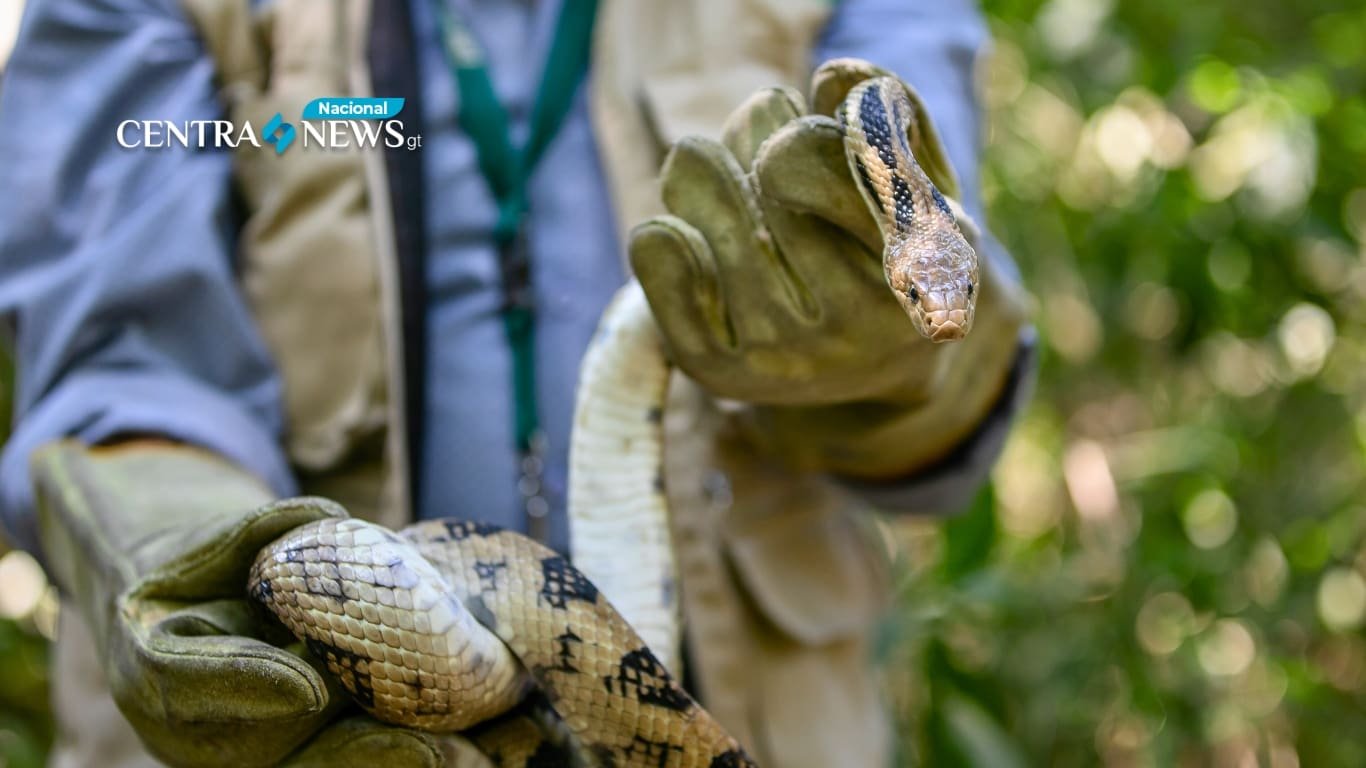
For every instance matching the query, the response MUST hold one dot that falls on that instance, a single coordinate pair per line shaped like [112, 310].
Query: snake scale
[449, 624]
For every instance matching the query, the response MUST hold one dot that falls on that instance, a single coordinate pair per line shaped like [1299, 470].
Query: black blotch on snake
[659, 751]
[565, 654]
[942, 203]
[903, 203]
[459, 530]
[562, 582]
[877, 129]
[641, 674]
[343, 662]
[487, 572]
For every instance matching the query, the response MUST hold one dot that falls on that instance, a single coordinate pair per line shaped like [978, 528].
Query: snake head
[937, 285]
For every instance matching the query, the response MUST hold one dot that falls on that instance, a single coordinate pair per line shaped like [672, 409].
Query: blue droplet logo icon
[279, 133]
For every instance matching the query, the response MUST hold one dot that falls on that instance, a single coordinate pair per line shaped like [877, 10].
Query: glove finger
[677, 271]
[363, 741]
[188, 661]
[832, 82]
[803, 168]
[757, 118]
[229, 616]
[705, 186]
[255, 716]
[851, 289]
[837, 269]
[218, 567]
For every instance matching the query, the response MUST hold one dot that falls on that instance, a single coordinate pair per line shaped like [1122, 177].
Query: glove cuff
[125, 509]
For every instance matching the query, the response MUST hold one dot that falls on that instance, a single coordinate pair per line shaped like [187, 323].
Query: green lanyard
[507, 170]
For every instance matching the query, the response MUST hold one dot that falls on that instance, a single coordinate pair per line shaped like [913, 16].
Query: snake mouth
[946, 325]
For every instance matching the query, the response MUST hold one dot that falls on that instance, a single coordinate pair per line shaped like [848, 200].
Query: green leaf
[970, 536]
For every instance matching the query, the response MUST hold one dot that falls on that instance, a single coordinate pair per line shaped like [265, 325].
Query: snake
[459, 626]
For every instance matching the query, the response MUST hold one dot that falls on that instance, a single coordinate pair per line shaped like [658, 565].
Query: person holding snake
[815, 332]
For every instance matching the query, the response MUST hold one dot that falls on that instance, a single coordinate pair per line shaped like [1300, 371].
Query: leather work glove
[766, 281]
[153, 542]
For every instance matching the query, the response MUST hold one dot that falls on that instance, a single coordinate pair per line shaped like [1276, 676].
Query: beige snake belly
[618, 515]
[449, 624]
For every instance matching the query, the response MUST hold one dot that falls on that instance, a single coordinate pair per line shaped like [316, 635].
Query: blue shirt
[116, 273]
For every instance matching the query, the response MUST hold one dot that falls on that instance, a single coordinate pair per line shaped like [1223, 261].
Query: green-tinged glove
[153, 541]
[767, 284]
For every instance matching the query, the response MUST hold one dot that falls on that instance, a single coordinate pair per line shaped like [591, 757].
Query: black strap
[394, 71]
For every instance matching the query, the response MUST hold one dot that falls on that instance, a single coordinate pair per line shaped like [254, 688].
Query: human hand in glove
[767, 282]
[153, 542]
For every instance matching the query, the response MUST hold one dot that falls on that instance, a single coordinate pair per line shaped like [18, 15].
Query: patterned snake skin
[448, 625]
[930, 267]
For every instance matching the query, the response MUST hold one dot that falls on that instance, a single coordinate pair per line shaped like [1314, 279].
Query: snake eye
[969, 290]
[915, 295]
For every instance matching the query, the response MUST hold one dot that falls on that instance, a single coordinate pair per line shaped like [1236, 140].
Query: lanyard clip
[531, 486]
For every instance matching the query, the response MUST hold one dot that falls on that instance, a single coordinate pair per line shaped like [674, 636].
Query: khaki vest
[782, 581]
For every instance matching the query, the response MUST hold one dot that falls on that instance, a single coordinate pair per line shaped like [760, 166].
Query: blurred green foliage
[1170, 571]
[1168, 566]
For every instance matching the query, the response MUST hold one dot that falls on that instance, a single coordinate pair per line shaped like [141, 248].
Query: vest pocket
[807, 560]
[308, 257]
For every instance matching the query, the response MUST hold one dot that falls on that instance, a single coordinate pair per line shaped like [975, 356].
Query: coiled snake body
[448, 624]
